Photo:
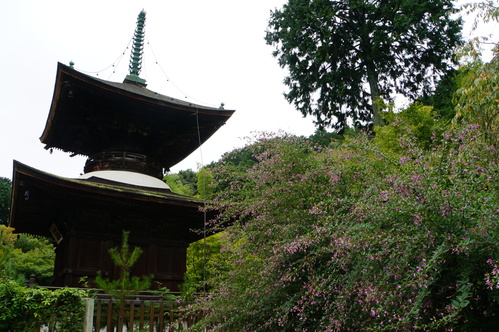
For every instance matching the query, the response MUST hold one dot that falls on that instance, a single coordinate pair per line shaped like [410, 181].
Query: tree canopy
[5, 193]
[478, 97]
[347, 58]
[22, 255]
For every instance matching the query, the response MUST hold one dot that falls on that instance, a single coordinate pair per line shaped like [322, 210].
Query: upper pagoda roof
[90, 115]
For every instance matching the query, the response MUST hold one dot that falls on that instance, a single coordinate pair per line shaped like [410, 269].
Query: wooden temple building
[130, 136]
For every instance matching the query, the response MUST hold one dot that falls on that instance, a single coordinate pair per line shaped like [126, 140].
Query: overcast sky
[206, 52]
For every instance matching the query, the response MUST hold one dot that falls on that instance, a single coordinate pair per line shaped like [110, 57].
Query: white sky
[213, 52]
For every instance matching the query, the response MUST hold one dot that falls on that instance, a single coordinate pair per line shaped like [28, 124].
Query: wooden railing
[125, 161]
[141, 313]
[144, 313]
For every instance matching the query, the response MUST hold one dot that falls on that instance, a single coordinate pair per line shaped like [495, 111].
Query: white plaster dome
[127, 177]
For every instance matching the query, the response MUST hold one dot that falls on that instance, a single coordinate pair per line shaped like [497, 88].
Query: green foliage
[352, 239]
[478, 98]
[7, 249]
[177, 186]
[201, 257]
[418, 121]
[324, 138]
[241, 158]
[36, 255]
[23, 255]
[346, 59]
[189, 179]
[204, 183]
[484, 11]
[236, 163]
[442, 99]
[26, 309]
[183, 183]
[125, 286]
[5, 193]
[125, 258]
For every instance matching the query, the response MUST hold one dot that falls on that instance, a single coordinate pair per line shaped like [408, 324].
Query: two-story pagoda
[130, 135]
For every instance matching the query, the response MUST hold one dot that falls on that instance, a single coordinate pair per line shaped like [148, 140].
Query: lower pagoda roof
[89, 116]
[40, 199]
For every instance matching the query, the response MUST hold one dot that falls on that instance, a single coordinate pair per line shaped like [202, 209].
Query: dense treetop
[346, 59]
[5, 193]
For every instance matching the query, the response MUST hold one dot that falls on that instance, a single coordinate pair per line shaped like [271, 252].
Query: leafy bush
[417, 121]
[201, 255]
[352, 239]
[26, 309]
[22, 255]
[478, 98]
[7, 250]
[178, 185]
[36, 256]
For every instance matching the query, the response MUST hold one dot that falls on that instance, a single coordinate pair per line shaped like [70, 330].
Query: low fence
[139, 314]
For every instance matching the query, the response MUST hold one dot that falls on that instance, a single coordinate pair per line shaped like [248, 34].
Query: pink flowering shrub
[348, 238]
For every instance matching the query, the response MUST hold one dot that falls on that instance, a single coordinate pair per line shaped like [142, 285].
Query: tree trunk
[376, 100]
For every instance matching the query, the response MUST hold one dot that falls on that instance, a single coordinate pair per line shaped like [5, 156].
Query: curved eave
[36, 196]
[105, 189]
[176, 138]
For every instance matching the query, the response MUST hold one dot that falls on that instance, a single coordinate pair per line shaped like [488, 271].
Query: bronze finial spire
[137, 50]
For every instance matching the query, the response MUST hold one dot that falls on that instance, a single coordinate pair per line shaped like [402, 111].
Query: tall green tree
[346, 59]
[5, 192]
[442, 99]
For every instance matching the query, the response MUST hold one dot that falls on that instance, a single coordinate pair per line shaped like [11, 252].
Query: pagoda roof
[90, 115]
[38, 196]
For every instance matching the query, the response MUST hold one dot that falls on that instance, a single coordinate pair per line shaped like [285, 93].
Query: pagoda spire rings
[137, 51]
